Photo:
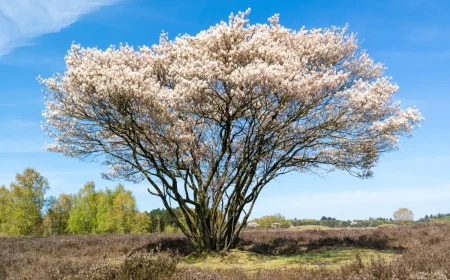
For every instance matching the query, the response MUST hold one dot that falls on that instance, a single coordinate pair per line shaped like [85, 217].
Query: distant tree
[179, 214]
[5, 209]
[23, 212]
[49, 222]
[403, 215]
[115, 211]
[267, 221]
[83, 217]
[376, 222]
[141, 223]
[104, 213]
[57, 215]
[303, 222]
[123, 209]
[160, 218]
[153, 221]
[346, 223]
[162, 221]
[330, 222]
[426, 217]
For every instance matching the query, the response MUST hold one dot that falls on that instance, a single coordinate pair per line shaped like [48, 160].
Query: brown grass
[423, 253]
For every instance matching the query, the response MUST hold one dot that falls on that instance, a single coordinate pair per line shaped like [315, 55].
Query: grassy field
[249, 261]
[413, 252]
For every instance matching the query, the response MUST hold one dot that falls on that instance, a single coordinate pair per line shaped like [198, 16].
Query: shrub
[139, 266]
[133, 256]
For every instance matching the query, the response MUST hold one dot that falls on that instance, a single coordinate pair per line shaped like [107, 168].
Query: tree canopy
[403, 214]
[24, 209]
[208, 120]
[22, 205]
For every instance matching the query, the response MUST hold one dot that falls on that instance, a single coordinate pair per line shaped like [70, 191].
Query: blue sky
[412, 38]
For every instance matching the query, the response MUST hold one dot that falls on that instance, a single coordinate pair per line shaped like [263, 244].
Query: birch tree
[83, 214]
[23, 204]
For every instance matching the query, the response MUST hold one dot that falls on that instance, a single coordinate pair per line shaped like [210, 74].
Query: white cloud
[21, 136]
[23, 20]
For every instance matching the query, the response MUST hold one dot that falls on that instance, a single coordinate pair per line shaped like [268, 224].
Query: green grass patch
[445, 219]
[249, 261]
[387, 225]
[310, 227]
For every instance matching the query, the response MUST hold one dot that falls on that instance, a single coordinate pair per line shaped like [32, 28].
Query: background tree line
[440, 217]
[402, 216]
[25, 210]
[269, 221]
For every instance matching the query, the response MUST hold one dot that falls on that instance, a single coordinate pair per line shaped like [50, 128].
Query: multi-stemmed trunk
[211, 228]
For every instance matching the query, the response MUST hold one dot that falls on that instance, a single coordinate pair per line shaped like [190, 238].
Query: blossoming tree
[403, 215]
[208, 120]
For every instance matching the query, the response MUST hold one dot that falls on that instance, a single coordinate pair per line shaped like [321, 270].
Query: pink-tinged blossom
[227, 110]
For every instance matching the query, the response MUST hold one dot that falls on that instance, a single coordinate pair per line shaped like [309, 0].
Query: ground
[250, 261]
[410, 252]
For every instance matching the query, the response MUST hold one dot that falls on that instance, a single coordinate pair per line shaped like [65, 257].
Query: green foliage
[161, 221]
[23, 204]
[104, 212]
[276, 220]
[116, 211]
[108, 211]
[24, 210]
[332, 222]
[5, 202]
[57, 216]
[141, 223]
[83, 217]
[438, 218]
[124, 209]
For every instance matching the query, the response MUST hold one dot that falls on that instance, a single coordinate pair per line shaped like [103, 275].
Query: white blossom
[230, 108]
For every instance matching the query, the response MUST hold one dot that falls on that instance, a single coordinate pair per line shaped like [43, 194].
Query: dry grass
[416, 252]
[58, 256]
[249, 261]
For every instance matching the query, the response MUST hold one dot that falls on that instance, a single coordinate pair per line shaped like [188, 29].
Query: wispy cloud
[21, 136]
[23, 20]
[425, 34]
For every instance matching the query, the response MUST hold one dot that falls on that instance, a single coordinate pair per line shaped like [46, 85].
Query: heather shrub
[97, 272]
[424, 253]
[139, 266]
[277, 246]
[142, 266]
[179, 245]
[363, 241]
[3, 274]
